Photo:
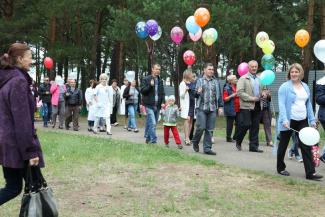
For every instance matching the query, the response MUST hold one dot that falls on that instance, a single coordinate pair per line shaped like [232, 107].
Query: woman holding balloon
[295, 113]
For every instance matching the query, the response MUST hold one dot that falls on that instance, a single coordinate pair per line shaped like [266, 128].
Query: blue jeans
[294, 146]
[46, 112]
[205, 122]
[151, 123]
[132, 122]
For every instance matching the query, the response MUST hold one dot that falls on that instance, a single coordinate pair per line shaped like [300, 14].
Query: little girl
[170, 113]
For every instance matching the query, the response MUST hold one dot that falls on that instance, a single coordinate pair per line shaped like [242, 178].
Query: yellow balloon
[268, 47]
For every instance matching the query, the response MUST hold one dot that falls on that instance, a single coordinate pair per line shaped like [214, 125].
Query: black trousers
[230, 125]
[249, 120]
[305, 150]
[113, 115]
[14, 184]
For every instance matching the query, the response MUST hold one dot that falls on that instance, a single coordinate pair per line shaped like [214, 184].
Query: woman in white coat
[187, 103]
[122, 104]
[90, 100]
[104, 101]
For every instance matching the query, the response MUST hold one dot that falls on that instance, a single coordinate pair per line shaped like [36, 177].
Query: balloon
[130, 75]
[261, 37]
[196, 36]
[189, 57]
[191, 25]
[140, 30]
[177, 34]
[209, 36]
[158, 35]
[202, 16]
[242, 69]
[309, 136]
[48, 63]
[268, 61]
[268, 47]
[151, 27]
[302, 38]
[267, 77]
[319, 50]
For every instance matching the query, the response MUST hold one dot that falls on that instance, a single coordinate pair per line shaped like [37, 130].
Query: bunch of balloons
[149, 28]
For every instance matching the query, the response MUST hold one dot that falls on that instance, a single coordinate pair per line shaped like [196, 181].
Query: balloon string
[302, 55]
[293, 130]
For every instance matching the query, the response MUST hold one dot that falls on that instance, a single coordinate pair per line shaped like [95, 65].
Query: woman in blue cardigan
[295, 112]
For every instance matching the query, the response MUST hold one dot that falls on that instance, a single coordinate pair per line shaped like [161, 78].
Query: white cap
[171, 97]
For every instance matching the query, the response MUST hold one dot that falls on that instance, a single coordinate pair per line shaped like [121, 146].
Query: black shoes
[314, 177]
[284, 173]
[210, 152]
[238, 147]
[256, 150]
[230, 140]
[196, 147]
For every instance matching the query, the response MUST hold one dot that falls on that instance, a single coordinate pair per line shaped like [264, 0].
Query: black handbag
[38, 200]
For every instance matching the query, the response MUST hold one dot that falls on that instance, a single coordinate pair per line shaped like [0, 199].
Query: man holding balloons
[249, 91]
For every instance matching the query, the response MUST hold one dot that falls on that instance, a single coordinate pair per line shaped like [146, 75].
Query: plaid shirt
[207, 100]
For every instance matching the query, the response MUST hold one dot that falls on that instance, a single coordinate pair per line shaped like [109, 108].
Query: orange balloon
[202, 16]
[302, 38]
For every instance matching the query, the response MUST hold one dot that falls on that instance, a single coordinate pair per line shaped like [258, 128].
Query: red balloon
[189, 57]
[48, 63]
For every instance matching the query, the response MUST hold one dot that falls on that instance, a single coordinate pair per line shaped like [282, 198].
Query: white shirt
[298, 108]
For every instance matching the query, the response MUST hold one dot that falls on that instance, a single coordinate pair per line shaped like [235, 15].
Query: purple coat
[18, 139]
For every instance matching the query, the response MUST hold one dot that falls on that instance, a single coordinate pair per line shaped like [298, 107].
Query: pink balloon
[177, 34]
[189, 57]
[196, 36]
[242, 69]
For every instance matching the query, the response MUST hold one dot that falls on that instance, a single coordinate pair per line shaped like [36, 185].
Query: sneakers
[314, 177]
[298, 159]
[180, 146]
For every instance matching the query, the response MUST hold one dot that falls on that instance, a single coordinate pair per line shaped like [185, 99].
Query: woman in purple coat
[19, 145]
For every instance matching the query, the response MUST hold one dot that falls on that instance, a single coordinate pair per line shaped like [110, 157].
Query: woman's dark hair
[8, 60]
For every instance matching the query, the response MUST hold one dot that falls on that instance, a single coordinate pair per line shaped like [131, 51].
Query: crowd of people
[245, 103]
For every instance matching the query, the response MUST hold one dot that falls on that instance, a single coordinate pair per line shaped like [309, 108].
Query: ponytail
[5, 61]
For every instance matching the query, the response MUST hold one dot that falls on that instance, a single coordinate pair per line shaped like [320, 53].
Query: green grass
[101, 177]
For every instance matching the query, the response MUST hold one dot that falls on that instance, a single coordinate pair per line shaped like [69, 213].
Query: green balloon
[267, 77]
[268, 61]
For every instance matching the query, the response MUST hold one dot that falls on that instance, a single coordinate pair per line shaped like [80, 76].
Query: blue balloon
[140, 30]
[191, 25]
[268, 61]
[267, 77]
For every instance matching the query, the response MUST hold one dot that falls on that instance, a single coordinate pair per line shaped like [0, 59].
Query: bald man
[249, 91]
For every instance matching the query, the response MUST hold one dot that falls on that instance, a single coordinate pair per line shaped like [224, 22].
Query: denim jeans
[46, 112]
[294, 146]
[205, 122]
[151, 123]
[132, 123]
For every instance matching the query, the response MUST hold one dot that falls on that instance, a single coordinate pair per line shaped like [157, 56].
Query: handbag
[38, 199]
[315, 155]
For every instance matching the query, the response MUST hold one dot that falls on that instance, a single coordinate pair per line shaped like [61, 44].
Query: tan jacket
[245, 92]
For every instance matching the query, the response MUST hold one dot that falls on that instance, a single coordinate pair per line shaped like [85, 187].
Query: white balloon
[319, 50]
[130, 75]
[309, 136]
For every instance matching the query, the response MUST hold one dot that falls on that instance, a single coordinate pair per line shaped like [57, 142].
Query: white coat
[184, 99]
[90, 100]
[122, 105]
[104, 104]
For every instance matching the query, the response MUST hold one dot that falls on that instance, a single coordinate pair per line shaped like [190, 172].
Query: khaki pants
[72, 113]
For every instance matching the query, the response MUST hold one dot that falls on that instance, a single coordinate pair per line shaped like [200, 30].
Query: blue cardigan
[287, 96]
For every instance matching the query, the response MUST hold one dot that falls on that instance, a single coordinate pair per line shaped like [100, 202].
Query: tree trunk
[106, 55]
[116, 69]
[7, 8]
[96, 41]
[66, 68]
[52, 34]
[307, 50]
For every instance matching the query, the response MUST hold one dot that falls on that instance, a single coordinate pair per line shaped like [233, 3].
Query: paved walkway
[226, 152]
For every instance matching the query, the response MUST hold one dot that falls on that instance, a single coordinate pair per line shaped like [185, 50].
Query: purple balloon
[151, 27]
[177, 34]
[242, 69]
